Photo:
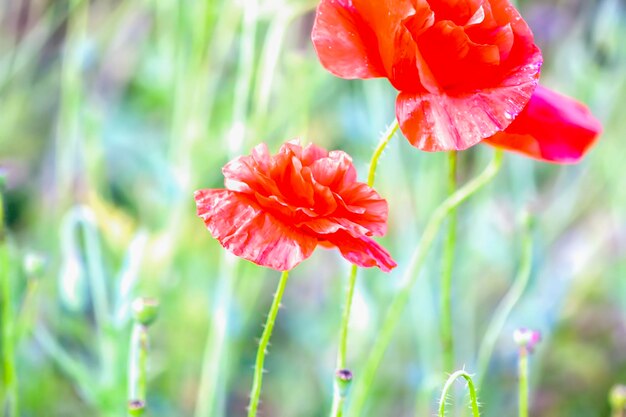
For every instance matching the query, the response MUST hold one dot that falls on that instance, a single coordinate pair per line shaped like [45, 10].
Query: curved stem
[255, 393]
[384, 141]
[447, 338]
[507, 304]
[338, 400]
[412, 273]
[470, 386]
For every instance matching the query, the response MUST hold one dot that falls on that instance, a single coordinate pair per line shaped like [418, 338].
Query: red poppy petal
[552, 128]
[312, 153]
[458, 11]
[362, 251]
[335, 171]
[345, 44]
[243, 228]
[441, 122]
[374, 208]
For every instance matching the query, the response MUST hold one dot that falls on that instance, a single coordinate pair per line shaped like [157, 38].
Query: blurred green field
[113, 112]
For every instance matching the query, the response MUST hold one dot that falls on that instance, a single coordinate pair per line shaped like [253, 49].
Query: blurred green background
[113, 112]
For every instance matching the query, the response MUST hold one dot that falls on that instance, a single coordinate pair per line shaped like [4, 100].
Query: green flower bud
[34, 264]
[145, 310]
[136, 408]
[617, 397]
[343, 380]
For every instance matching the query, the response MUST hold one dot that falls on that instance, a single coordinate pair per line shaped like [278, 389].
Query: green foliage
[114, 112]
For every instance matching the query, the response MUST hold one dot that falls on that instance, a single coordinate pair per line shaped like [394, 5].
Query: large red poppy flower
[276, 209]
[551, 128]
[464, 68]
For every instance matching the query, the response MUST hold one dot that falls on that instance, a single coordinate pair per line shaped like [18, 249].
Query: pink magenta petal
[362, 251]
[244, 229]
[552, 128]
[345, 43]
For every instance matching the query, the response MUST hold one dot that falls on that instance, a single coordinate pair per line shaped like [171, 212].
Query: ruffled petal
[334, 171]
[244, 229]
[330, 225]
[552, 128]
[458, 11]
[346, 45]
[442, 122]
[362, 251]
[373, 208]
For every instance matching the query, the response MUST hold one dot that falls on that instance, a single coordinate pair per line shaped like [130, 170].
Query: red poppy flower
[276, 209]
[464, 68]
[551, 128]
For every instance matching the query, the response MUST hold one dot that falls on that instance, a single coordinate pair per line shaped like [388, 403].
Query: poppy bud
[343, 380]
[145, 310]
[617, 397]
[34, 264]
[136, 408]
[526, 339]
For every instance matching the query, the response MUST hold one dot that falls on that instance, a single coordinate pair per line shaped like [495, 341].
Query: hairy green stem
[338, 399]
[508, 302]
[137, 367]
[364, 384]
[255, 393]
[382, 144]
[470, 386]
[446, 333]
[523, 382]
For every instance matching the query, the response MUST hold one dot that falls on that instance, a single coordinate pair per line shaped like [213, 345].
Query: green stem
[255, 393]
[470, 386]
[98, 289]
[137, 364]
[338, 399]
[384, 141]
[216, 341]
[144, 311]
[345, 320]
[245, 74]
[447, 338]
[507, 304]
[523, 382]
[338, 402]
[8, 321]
[394, 313]
[85, 379]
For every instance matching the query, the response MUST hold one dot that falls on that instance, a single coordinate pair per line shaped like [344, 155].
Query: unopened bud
[617, 397]
[526, 338]
[343, 380]
[34, 264]
[145, 310]
[136, 407]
